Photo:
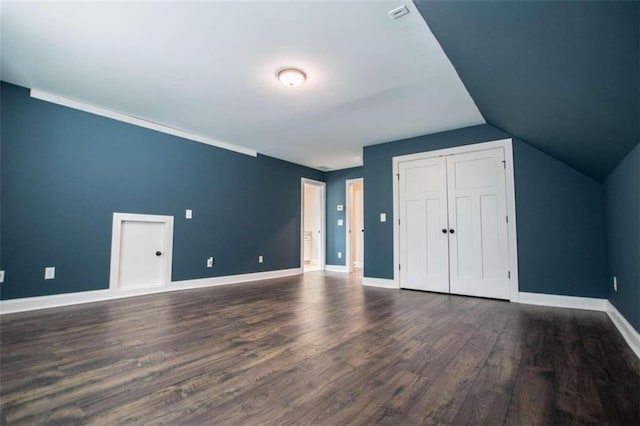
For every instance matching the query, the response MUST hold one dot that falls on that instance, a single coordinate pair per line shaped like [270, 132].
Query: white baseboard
[628, 332]
[336, 268]
[559, 301]
[58, 300]
[379, 282]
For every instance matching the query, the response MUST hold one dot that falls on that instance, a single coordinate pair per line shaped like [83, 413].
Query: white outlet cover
[340, 207]
[1, 276]
[188, 214]
[615, 283]
[260, 259]
[340, 222]
[339, 255]
[383, 217]
[49, 273]
[210, 262]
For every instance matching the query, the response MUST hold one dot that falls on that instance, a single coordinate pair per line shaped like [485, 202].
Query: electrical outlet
[340, 222]
[339, 255]
[210, 262]
[188, 214]
[615, 284]
[49, 272]
[383, 217]
[1, 276]
[260, 259]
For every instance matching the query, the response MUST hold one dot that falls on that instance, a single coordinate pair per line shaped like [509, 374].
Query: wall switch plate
[340, 222]
[188, 214]
[615, 284]
[49, 273]
[210, 262]
[339, 255]
[260, 259]
[340, 207]
[1, 276]
[383, 217]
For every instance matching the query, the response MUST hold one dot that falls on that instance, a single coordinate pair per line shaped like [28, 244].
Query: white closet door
[477, 218]
[423, 217]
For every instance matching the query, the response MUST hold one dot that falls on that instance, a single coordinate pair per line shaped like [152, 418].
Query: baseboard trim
[378, 282]
[336, 268]
[559, 301]
[630, 335]
[67, 299]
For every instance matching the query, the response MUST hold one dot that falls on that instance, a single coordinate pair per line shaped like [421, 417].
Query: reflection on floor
[317, 348]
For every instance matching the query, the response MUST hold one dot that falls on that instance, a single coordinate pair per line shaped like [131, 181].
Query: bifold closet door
[423, 218]
[478, 242]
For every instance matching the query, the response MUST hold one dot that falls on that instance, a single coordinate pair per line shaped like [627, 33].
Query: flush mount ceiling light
[291, 77]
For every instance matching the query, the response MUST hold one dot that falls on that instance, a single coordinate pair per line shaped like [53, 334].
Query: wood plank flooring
[314, 349]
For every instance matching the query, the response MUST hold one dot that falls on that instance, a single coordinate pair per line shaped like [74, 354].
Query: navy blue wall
[561, 238]
[622, 197]
[64, 173]
[336, 194]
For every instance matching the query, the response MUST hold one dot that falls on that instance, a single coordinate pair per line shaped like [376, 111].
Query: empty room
[320, 212]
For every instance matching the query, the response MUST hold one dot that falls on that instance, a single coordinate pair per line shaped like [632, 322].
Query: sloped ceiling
[209, 68]
[563, 76]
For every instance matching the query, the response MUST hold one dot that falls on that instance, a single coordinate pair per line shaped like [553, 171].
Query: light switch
[260, 259]
[49, 273]
[340, 222]
[210, 262]
[383, 217]
[188, 214]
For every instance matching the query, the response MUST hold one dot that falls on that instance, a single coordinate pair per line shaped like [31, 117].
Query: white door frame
[323, 225]
[118, 218]
[347, 215]
[507, 145]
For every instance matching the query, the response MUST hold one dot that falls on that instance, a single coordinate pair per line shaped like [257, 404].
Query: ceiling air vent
[398, 12]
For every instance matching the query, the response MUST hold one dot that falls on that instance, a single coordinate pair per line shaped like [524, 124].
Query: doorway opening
[355, 225]
[312, 245]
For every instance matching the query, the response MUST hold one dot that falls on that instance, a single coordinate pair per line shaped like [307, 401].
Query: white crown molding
[58, 300]
[379, 282]
[92, 109]
[629, 333]
[559, 301]
[336, 268]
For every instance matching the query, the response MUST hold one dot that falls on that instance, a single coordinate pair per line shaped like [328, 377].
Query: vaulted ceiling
[563, 76]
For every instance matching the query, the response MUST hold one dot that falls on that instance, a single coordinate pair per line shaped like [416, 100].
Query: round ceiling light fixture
[291, 77]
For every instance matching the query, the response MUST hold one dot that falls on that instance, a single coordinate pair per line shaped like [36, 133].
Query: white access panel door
[423, 217]
[142, 257]
[478, 239]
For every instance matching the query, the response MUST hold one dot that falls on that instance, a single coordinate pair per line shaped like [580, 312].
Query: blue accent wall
[561, 239]
[65, 172]
[336, 194]
[622, 200]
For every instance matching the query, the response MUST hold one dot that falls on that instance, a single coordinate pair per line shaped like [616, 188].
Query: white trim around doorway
[347, 220]
[323, 221]
[507, 145]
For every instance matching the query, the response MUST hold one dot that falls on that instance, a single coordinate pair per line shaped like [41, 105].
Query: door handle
[158, 253]
[451, 231]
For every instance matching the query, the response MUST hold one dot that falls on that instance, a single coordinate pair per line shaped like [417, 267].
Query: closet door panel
[423, 216]
[478, 255]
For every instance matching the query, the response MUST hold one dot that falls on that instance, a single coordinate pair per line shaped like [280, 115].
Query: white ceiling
[209, 68]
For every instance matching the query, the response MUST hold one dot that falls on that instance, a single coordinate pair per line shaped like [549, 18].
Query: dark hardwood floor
[318, 349]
